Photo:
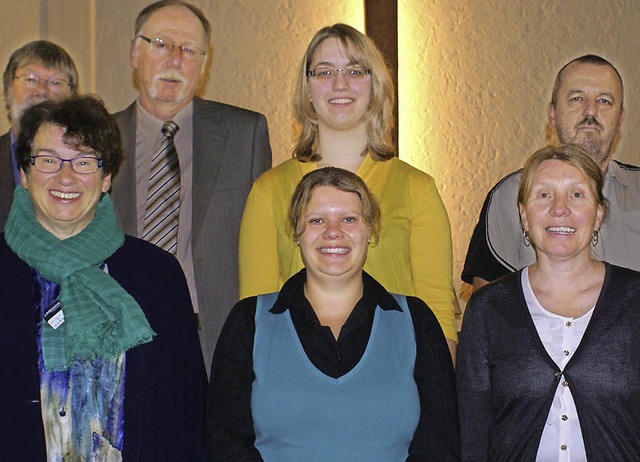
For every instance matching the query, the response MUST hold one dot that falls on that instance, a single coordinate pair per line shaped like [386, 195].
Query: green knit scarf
[101, 320]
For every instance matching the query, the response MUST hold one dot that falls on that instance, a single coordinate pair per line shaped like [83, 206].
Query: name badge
[54, 315]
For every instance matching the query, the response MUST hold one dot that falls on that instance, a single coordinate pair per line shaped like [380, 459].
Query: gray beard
[596, 150]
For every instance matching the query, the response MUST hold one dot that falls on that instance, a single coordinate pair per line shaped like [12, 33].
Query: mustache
[170, 74]
[589, 121]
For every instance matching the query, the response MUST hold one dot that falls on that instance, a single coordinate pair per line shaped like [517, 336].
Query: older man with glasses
[189, 163]
[38, 71]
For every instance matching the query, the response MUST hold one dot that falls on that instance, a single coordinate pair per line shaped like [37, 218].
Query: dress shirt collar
[150, 124]
[292, 295]
[622, 174]
[292, 298]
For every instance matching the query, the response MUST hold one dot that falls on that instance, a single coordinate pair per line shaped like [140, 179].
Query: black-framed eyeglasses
[323, 73]
[31, 82]
[163, 48]
[84, 165]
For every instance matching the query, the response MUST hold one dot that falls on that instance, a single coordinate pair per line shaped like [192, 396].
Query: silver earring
[525, 238]
[595, 237]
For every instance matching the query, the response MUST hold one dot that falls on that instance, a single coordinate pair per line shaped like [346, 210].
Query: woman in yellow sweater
[344, 104]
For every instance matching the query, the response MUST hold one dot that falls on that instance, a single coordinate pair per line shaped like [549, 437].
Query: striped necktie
[163, 198]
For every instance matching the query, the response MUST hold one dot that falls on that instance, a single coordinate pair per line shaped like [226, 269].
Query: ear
[523, 217]
[599, 217]
[133, 53]
[106, 183]
[622, 113]
[23, 179]
[551, 113]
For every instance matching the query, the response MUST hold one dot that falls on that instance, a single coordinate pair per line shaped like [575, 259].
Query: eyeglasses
[31, 82]
[163, 48]
[83, 165]
[350, 72]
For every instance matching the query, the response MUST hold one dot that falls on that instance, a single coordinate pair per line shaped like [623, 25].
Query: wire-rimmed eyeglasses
[31, 82]
[356, 72]
[83, 165]
[164, 48]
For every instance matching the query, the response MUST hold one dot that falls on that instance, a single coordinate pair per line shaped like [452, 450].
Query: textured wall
[23, 26]
[256, 48]
[475, 80]
[475, 77]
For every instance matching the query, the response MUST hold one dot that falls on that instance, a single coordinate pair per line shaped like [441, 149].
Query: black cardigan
[165, 379]
[507, 381]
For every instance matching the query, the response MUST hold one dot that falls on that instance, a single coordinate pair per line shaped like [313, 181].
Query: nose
[559, 207]
[176, 55]
[590, 107]
[66, 175]
[332, 230]
[42, 88]
[340, 81]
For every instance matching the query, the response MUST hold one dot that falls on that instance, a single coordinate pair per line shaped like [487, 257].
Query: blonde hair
[342, 180]
[380, 120]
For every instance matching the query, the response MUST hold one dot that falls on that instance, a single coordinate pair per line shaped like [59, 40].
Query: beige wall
[474, 81]
[474, 87]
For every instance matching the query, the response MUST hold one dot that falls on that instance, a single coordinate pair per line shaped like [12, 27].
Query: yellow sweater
[413, 256]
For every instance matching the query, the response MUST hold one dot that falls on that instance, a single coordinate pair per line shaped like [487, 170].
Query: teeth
[561, 230]
[334, 250]
[341, 100]
[63, 195]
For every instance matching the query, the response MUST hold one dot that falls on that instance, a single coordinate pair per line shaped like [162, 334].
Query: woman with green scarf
[102, 360]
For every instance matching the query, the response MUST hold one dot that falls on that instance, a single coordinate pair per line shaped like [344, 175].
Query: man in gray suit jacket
[36, 72]
[221, 150]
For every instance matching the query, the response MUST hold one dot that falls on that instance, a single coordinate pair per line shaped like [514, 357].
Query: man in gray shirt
[586, 109]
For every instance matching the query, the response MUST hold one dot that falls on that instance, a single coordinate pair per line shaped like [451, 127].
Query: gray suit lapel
[124, 184]
[209, 138]
[7, 182]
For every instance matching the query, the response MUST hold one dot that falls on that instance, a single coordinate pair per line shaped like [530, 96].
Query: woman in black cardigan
[546, 367]
[100, 348]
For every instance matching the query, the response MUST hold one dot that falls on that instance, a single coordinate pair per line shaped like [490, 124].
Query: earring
[525, 238]
[595, 238]
[369, 241]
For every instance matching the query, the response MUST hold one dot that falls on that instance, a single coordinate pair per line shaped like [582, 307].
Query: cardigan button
[558, 374]
[565, 384]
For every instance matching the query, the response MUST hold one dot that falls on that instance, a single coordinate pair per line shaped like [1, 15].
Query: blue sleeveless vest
[302, 415]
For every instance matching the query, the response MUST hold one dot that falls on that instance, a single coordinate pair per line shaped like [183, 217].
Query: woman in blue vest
[333, 367]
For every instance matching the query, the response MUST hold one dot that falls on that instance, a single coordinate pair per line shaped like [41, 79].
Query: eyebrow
[333, 65]
[54, 153]
[603, 93]
[546, 184]
[171, 41]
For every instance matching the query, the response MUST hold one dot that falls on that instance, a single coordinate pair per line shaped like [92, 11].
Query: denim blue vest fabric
[301, 414]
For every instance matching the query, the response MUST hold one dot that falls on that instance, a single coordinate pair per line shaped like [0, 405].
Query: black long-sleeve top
[230, 432]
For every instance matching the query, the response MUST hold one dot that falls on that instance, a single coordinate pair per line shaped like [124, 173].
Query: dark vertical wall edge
[381, 24]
